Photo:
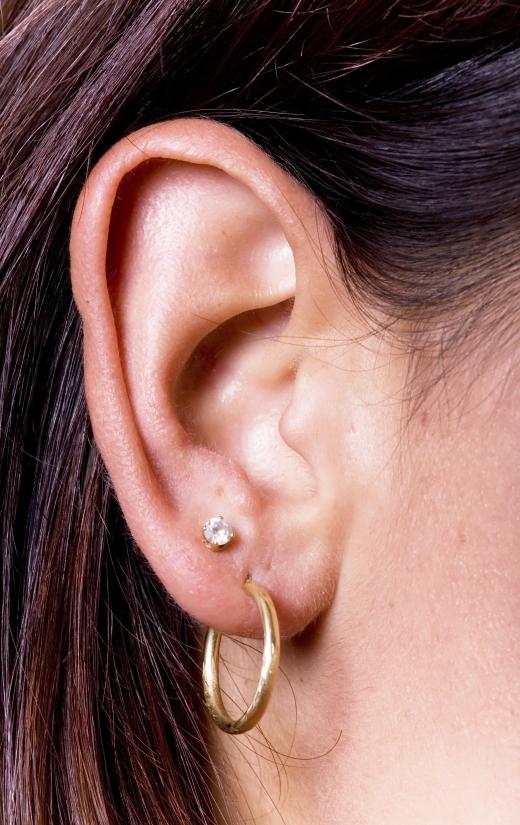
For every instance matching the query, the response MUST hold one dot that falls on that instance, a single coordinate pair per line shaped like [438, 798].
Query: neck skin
[407, 690]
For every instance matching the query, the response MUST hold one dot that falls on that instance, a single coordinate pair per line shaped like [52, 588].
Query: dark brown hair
[402, 118]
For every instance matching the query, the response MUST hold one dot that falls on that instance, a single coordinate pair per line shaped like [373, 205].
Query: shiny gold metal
[268, 671]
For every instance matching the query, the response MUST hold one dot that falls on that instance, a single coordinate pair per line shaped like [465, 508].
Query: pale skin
[389, 544]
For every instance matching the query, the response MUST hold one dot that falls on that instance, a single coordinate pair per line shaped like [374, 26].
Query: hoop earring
[270, 662]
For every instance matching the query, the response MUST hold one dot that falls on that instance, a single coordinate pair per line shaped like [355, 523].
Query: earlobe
[189, 249]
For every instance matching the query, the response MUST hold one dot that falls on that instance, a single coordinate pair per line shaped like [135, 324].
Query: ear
[197, 265]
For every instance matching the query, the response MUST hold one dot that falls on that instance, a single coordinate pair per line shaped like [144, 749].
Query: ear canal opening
[218, 353]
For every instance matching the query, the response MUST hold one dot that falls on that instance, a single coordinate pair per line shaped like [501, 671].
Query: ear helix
[216, 534]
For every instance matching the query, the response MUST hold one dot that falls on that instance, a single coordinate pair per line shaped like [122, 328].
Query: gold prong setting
[217, 533]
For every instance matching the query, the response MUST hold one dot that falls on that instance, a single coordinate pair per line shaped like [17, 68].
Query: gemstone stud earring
[217, 533]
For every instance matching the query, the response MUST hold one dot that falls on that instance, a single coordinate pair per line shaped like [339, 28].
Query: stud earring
[268, 671]
[216, 533]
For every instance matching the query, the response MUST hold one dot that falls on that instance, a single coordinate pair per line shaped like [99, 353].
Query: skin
[227, 371]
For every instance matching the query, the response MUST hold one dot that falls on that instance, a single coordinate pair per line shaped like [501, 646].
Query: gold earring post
[268, 671]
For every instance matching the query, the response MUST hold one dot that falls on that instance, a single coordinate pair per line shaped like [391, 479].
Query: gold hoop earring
[270, 662]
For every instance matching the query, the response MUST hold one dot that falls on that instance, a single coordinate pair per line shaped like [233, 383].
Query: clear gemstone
[217, 532]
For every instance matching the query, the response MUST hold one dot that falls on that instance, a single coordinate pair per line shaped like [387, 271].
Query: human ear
[196, 265]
